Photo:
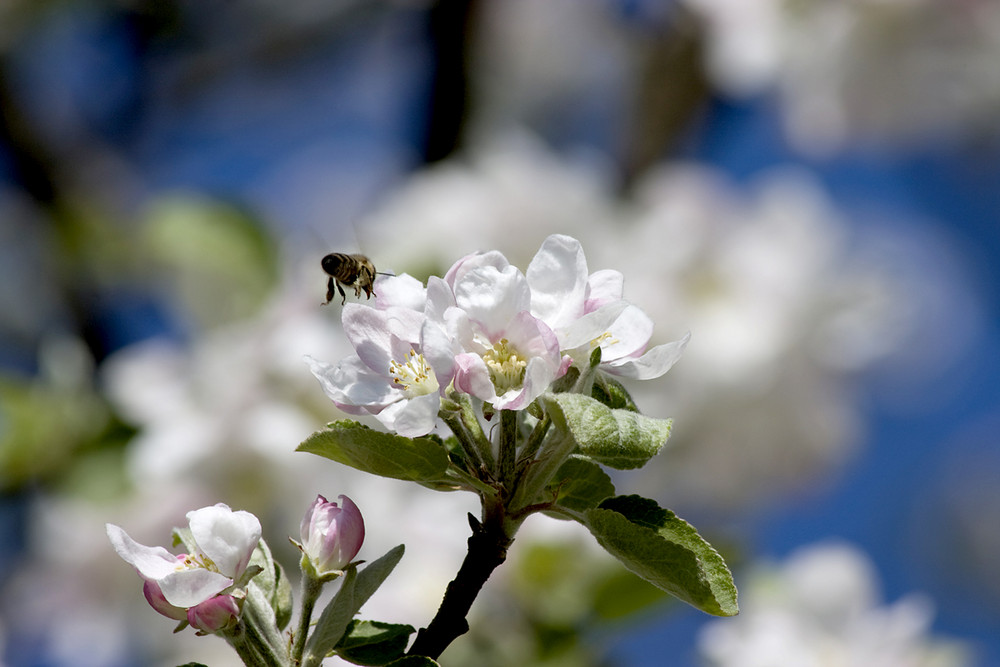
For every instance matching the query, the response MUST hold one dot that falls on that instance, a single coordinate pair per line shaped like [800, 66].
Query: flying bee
[355, 271]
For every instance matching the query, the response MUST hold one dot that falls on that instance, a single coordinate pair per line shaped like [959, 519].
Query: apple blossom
[508, 356]
[399, 369]
[331, 535]
[588, 311]
[225, 542]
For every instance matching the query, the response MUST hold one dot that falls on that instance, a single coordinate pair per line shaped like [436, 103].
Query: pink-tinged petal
[186, 588]
[332, 535]
[459, 328]
[214, 614]
[592, 325]
[492, 297]
[652, 364]
[154, 596]
[564, 365]
[151, 562]
[628, 335]
[372, 332]
[227, 537]
[532, 337]
[352, 530]
[308, 518]
[459, 269]
[439, 350]
[473, 377]
[402, 291]
[439, 299]
[413, 417]
[604, 287]
[557, 276]
[351, 383]
[538, 375]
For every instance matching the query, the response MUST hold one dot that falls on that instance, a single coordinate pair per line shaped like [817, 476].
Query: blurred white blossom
[784, 302]
[219, 419]
[895, 68]
[822, 608]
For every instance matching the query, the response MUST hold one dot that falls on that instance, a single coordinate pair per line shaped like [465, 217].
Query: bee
[355, 271]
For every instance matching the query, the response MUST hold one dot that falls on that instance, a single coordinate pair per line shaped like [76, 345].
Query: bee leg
[329, 291]
[341, 289]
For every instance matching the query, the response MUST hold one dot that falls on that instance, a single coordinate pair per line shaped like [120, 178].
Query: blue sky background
[356, 103]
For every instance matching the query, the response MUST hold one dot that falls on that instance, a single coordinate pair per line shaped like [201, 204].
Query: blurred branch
[672, 90]
[449, 23]
[32, 165]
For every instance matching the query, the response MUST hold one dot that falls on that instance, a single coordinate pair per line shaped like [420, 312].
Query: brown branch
[488, 546]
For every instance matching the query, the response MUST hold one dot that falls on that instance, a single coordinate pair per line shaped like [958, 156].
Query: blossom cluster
[489, 331]
[196, 587]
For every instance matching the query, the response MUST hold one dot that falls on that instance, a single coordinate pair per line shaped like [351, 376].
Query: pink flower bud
[154, 596]
[214, 614]
[332, 535]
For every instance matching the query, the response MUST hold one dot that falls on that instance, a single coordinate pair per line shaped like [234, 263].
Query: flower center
[506, 366]
[195, 561]
[414, 375]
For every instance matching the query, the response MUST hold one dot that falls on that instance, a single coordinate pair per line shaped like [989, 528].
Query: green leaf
[356, 588]
[617, 438]
[373, 642]
[219, 261]
[612, 393]
[384, 454]
[414, 661]
[580, 484]
[666, 551]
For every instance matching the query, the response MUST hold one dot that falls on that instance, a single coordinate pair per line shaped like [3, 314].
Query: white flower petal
[151, 562]
[414, 417]
[493, 258]
[225, 536]
[557, 276]
[653, 364]
[492, 297]
[591, 325]
[439, 299]
[351, 383]
[531, 337]
[188, 587]
[603, 287]
[403, 291]
[473, 378]
[373, 333]
[439, 350]
[628, 335]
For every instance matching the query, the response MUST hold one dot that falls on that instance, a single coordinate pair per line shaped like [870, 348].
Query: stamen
[600, 340]
[414, 375]
[506, 366]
